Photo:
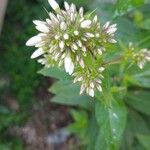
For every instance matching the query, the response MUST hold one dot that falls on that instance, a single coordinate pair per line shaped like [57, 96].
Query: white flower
[68, 38]
[37, 53]
[69, 66]
[33, 41]
[141, 57]
[54, 4]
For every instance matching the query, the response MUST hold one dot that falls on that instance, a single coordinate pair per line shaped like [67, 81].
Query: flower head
[141, 57]
[68, 38]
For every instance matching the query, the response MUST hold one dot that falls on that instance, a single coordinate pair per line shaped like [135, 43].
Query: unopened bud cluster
[141, 57]
[69, 38]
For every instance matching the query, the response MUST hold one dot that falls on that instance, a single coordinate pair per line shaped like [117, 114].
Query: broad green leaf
[55, 73]
[67, 93]
[112, 122]
[135, 125]
[144, 140]
[145, 24]
[124, 6]
[139, 100]
[138, 77]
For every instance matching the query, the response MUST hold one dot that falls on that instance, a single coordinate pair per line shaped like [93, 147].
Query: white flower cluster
[141, 57]
[69, 37]
[89, 80]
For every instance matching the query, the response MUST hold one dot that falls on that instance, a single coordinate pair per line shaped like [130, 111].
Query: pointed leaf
[55, 73]
[139, 100]
[112, 122]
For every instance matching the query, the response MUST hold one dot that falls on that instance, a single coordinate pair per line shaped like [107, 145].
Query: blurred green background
[24, 100]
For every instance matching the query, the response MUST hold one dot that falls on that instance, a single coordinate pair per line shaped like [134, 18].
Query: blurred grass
[18, 77]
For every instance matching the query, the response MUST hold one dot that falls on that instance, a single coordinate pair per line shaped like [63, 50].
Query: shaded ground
[44, 130]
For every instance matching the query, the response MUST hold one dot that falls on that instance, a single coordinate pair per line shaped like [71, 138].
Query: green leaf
[67, 93]
[80, 122]
[124, 6]
[112, 122]
[139, 77]
[139, 100]
[55, 73]
[145, 24]
[93, 133]
[135, 125]
[144, 140]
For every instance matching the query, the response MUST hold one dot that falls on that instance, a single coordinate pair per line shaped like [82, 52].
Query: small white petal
[72, 17]
[33, 41]
[37, 53]
[77, 58]
[52, 48]
[61, 44]
[81, 11]
[73, 8]
[76, 33]
[97, 35]
[79, 43]
[42, 28]
[86, 24]
[54, 4]
[63, 26]
[113, 26]
[84, 39]
[38, 22]
[63, 56]
[81, 62]
[89, 35]
[92, 85]
[69, 66]
[112, 41]
[60, 18]
[66, 36]
[57, 37]
[111, 30]
[99, 81]
[84, 49]
[99, 51]
[74, 46]
[91, 92]
[67, 7]
[141, 64]
[99, 88]
[82, 89]
[101, 69]
[106, 25]
[95, 19]
[53, 18]
[49, 21]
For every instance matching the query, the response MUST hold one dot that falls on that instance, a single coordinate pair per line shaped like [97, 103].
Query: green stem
[112, 62]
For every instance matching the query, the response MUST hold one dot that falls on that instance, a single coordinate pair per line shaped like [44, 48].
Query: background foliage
[18, 78]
